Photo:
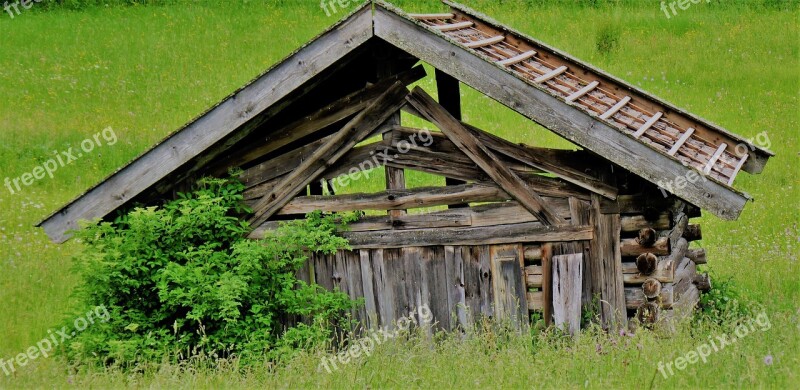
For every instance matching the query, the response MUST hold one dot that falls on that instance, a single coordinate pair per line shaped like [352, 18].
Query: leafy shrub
[182, 281]
[724, 304]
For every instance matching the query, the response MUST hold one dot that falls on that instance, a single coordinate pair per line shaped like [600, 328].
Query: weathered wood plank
[397, 199]
[485, 159]
[547, 283]
[371, 321]
[501, 234]
[567, 289]
[351, 134]
[664, 272]
[508, 284]
[456, 287]
[606, 266]
[384, 286]
[633, 223]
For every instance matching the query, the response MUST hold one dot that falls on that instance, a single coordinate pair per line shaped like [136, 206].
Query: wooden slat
[518, 58]
[484, 42]
[397, 199]
[485, 159]
[613, 110]
[500, 234]
[736, 170]
[647, 125]
[664, 273]
[508, 283]
[452, 27]
[684, 137]
[553, 73]
[605, 266]
[567, 278]
[583, 91]
[714, 158]
[351, 134]
[432, 16]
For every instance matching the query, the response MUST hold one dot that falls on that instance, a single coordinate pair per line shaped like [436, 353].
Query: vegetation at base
[182, 281]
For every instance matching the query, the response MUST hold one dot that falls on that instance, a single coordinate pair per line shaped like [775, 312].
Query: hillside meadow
[68, 71]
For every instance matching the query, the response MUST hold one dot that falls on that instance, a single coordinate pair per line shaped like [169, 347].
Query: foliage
[183, 281]
[725, 304]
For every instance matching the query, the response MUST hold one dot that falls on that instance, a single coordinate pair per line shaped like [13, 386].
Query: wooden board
[567, 289]
[508, 284]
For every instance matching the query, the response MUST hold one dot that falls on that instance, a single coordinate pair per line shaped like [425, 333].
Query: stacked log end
[659, 264]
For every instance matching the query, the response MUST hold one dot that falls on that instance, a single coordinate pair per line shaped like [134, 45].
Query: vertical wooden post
[547, 283]
[395, 177]
[567, 276]
[606, 266]
[450, 98]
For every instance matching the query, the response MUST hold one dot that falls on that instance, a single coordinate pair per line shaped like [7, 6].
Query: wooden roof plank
[549, 111]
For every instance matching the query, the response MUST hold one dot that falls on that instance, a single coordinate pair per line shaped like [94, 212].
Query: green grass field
[65, 75]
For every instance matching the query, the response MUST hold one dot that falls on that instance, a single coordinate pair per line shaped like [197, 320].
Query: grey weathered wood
[483, 157]
[397, 199]
[606, 266]
[350, 135]
[698, 255]
[567, 289]
[449, 92]
[664, 272]
[501, 234]
[633, 223]
[395, 177]
[508, 282]
[383, 287]
[552, 112]
[436, 287]
[214, 125]
[631, 247]
[634, 297]
[547, 283]
[456, 286]
[367, 286]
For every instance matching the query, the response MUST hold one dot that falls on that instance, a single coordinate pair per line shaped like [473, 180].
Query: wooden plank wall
[459, 284]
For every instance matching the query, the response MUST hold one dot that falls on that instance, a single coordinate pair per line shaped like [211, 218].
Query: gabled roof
[596, 111]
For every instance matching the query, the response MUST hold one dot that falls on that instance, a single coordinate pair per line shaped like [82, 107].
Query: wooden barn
[515, 228]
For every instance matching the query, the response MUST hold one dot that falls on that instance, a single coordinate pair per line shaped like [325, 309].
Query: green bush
[181, 281]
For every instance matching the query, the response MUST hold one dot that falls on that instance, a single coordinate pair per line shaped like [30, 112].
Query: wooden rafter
[351, 134]
[483, 157]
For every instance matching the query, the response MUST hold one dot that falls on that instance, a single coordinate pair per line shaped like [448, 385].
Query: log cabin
[514, 230]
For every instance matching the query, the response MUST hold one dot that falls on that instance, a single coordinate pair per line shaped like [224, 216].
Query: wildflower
[768, 360]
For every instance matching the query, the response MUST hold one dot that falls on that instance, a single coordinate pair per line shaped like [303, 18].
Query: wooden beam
[550, 111]
[326, 116]
[351, 134]
[484, 235]
[214, 125]
[485, 159]
[449, 92]
[397, 199]
[605, 265]
[550, 75]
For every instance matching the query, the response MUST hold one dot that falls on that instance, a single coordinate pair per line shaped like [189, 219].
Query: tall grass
[70, 69]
